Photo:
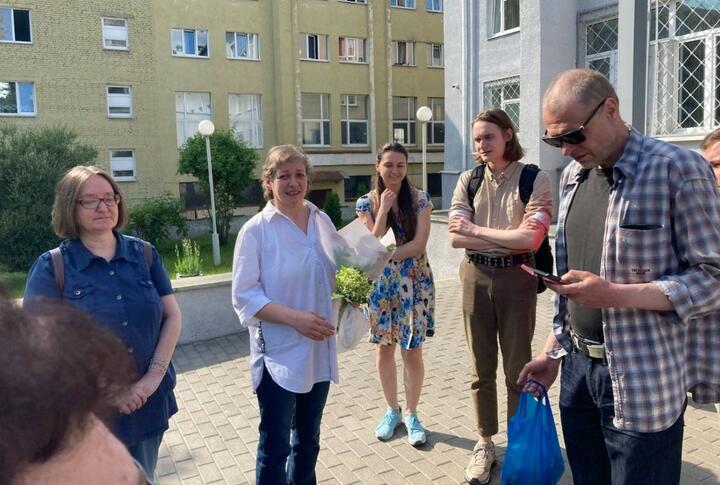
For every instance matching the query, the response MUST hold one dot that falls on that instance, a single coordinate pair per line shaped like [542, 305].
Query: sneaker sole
[417, 443]
[475, 481]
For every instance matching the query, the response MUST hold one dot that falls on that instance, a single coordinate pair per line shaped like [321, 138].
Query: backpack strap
[474, 183]
[527, 180]
[147, 252]
[58, 267]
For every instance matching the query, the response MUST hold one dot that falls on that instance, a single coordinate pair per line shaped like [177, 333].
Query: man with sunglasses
[636, 319]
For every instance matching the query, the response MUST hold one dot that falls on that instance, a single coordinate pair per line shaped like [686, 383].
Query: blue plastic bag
[533, 453]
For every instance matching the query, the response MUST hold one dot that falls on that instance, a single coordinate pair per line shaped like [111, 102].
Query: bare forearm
[646, 296]
[410, 250]
[380, 225]
[470, 242]
[170, 331]
[523, 239]
[277, 313]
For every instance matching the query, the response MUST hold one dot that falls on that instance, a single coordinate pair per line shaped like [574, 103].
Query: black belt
[590, 348]
[501, 261]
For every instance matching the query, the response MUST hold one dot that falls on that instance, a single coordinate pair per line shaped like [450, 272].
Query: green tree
[32, 160]
[332, 208]
[233, 164]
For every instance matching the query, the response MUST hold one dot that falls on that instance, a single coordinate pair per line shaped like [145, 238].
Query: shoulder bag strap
[58, 267]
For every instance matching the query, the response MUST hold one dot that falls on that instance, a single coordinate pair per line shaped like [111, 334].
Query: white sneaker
[482, 461]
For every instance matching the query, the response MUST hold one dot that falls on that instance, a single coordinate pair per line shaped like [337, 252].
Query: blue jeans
[600, 453]
[289, 433]
[146, 454]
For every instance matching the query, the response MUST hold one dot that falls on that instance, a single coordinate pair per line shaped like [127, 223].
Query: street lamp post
[207, 128]
[424, 114]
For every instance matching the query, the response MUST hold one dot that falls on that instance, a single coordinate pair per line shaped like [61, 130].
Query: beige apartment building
[134, 78]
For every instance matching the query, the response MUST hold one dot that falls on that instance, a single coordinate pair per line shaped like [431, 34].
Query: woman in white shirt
[283, 278]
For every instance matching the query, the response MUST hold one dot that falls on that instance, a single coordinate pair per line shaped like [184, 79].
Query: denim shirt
[123, 295]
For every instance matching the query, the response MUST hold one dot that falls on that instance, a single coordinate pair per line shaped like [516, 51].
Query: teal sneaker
[386, 428]
[415, 430]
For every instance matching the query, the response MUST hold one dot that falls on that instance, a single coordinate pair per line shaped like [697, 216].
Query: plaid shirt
[662, 226]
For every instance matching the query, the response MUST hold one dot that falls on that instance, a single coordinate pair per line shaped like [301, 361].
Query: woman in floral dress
[401, 304]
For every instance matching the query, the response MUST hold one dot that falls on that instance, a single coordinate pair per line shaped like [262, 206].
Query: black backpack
[543, 256]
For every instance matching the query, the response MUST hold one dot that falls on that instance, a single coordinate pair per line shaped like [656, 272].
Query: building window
[684, 68]
[352, 49]
[15, 25]
[17, 99]
[313, 47]
[354, 121]
[354, 1]
[434, 184]
[403, 53]
[601, 44]
[316, 119]
[115, 34]
[436, 126]
[122, 165]
[435, 55]
[505, 15]
[504, 94]
[119, 102]
[356, 186]
[246, 118]
[402, 3]
[190, 109]
[434, 5]
[403, 121]
[190, 43]
[242, 45]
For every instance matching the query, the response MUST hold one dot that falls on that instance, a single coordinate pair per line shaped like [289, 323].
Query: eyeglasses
[93, 203]
[574, 137]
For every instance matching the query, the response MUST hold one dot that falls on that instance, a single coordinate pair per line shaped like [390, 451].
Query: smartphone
[549, 278]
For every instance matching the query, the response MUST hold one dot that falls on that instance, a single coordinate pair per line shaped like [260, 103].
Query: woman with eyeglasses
[120, 281]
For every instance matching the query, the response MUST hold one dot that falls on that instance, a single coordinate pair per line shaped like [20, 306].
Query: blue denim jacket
[124, 296]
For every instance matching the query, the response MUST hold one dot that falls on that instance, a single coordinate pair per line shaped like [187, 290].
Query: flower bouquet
[359, 262]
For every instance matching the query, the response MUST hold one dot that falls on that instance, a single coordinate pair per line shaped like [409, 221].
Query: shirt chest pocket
[147, 291]
[82, 296]
[639, 247]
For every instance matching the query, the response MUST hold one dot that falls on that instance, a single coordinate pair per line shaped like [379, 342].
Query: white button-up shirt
[275, 261]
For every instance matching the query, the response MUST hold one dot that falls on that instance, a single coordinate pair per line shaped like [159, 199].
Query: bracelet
[157, 364]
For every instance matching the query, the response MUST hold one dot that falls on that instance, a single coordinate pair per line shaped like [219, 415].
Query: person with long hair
[402, 301]
[283, 278]
[500, 231]
[120, 282]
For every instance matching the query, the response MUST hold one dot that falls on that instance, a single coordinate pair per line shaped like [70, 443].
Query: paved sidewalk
[213, 438]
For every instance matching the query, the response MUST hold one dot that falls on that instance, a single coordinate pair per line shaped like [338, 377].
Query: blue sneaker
[386, 428]
[415, 430]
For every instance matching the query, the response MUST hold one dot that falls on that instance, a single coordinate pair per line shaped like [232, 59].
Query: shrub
[233, 164]
[32, 160]
[152, 219]
[189, 263]
[332, 208]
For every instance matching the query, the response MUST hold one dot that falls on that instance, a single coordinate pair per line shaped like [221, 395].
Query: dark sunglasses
[574, 137]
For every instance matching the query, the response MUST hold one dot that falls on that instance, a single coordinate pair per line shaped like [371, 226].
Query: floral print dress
[402, 301]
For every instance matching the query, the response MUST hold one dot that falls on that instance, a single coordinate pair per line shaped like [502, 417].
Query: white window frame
[504, 102]
[493, 13]
[255, 123]
[253, 42]
[193, 118]
[363, 2]
[18, 101]
[118, 163]
[305, 47]
[184, 53]
[439, 9]
[434, 121]
[348, 101]
[115, 33]
[321, 121]
[411, 121]
[431, 56]
[409, 53]
[406, 4]
[355, 49]
[12, 27]
[117, 100]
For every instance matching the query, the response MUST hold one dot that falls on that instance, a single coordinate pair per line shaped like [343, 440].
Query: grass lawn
[15, 282]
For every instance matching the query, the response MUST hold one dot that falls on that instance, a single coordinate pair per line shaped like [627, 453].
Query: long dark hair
[407, 218]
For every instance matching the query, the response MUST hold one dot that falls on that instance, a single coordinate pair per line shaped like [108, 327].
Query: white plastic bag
[352, 326]
[363, 249]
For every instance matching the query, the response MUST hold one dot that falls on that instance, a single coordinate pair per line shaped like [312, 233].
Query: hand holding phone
[547, 277]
